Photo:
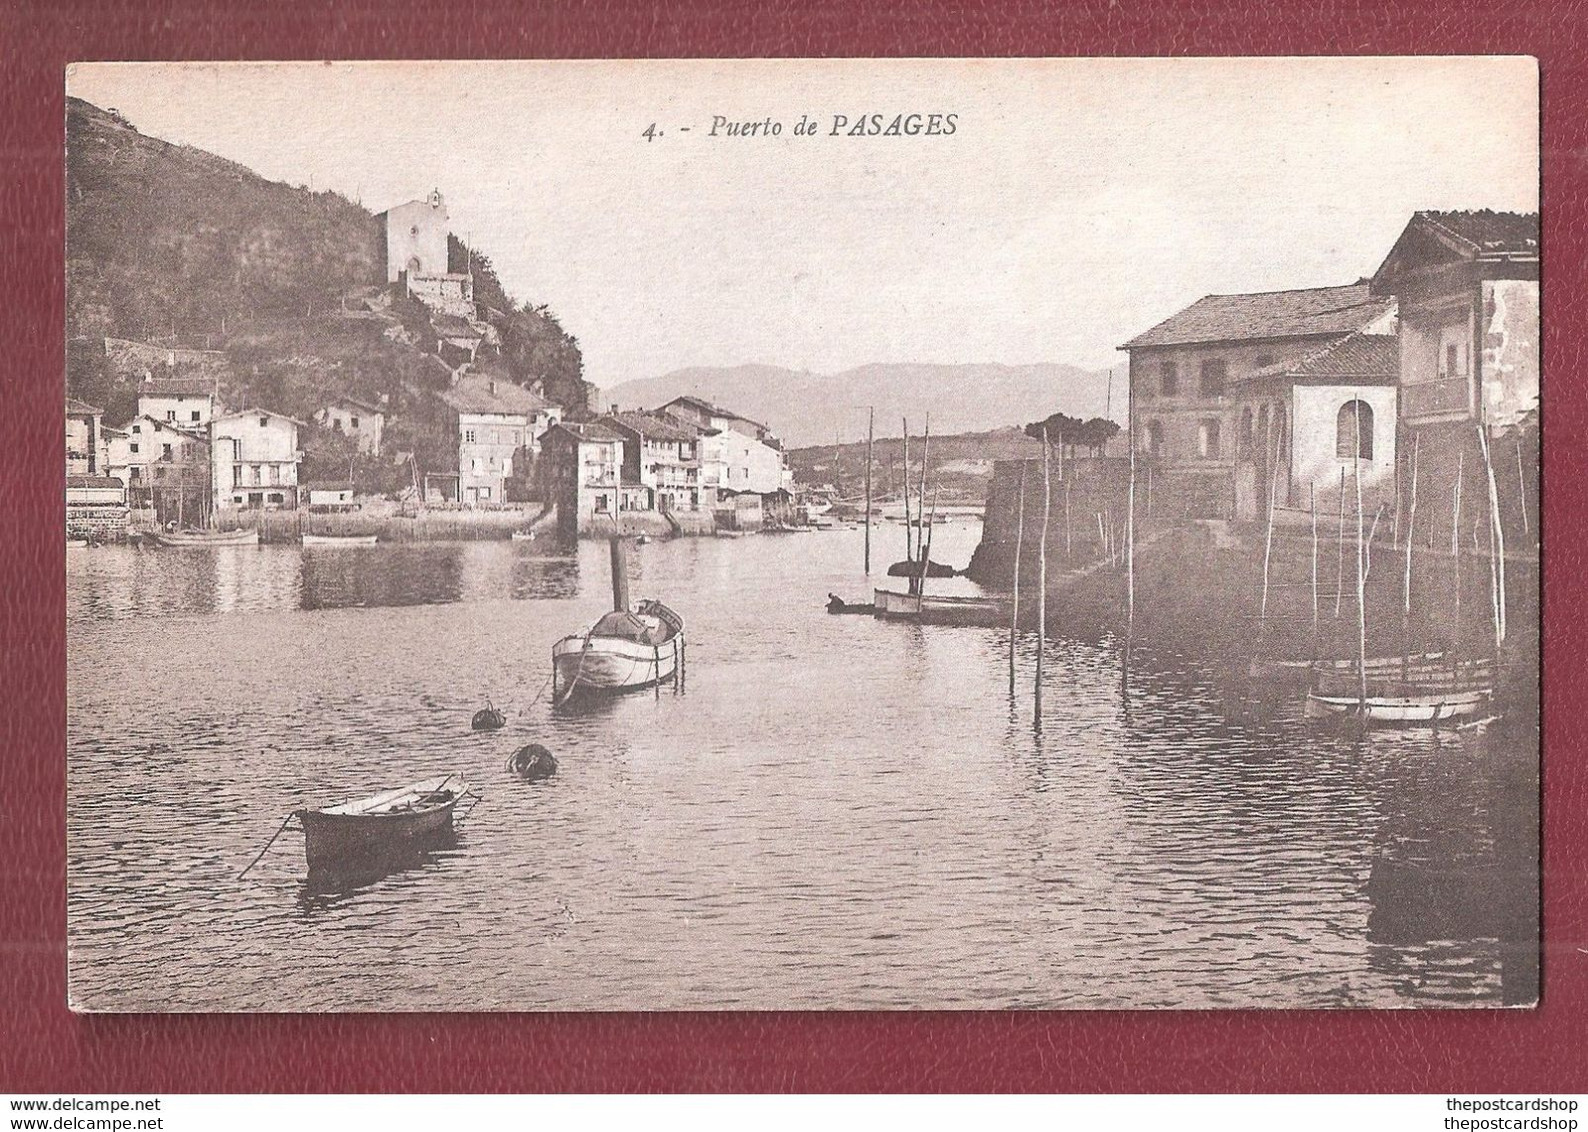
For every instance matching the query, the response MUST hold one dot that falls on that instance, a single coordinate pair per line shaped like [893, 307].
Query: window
[1283, 442]
[274, 497]
[254, 474]
[1264, 361]
[507, 467]
[1243, 440]
[137, 429]
[485, 493]
[1452, 359]
[352, 422]
[1168, 379]
[1154, 438]
[1353, 431]
[170, 414]
[468, 436]
[475, 466]
[237, 479]
[195, 414]
[165, 451]
[1208, 439]
[134, 447]
[336, 424]
[264, 422]
[135, 472]
[1212, 378]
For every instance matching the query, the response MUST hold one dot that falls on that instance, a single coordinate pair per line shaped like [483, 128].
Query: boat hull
[1428, 708]
[409, 817]
[597, 664]
[976, 611]
[340, 540]
[243, 537]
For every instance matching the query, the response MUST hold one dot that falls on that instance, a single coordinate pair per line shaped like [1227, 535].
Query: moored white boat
[245, 536]
[339, 540]
[1428, 707]
[622, 652]
[892, 605]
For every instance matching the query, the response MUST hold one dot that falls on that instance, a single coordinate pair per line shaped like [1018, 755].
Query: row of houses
[687, 457]
[1298, 394]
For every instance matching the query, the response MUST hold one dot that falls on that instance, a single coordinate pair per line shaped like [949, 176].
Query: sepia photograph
[803, 534]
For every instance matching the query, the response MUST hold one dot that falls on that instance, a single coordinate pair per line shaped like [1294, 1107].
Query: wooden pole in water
[909, 546]
[1455, 539]
[1130, 540]
[620, 576]
[871, 430]
[1014, 616]
[1361, 571]
[1521, 484]
[1312, 499]
[1496, 540]
[1339, 563]
[1268, 541]
[1406, 584]
[926, 549]
[1042, 572]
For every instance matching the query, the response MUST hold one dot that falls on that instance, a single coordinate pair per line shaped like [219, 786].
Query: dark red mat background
[43, 1047]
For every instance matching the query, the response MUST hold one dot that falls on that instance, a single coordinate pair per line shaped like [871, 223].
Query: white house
[499, 426]
[162, 466]
[185, 401]
[359, 420]
[255, 459]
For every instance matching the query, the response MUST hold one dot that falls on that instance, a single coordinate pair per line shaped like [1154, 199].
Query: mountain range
[805, 409]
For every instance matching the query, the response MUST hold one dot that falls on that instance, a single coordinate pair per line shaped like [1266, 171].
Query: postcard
[803, 534]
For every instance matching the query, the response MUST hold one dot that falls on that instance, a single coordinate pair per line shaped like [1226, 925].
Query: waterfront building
[1183, 371]
[255, 457]
[188, 401]
[360, 421]
[330, 496]
[661, 462]
[737, 455]
[1468, 288]
[699, 411]
[499, 426]
[164, 467]
[582, 473]
[85, 439]
[1309, 426]
[414, 242]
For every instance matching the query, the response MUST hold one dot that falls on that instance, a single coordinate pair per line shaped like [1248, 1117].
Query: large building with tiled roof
[499, 425]
[583, 475]
[661, 454]
[1184, 414]
[1467, 284]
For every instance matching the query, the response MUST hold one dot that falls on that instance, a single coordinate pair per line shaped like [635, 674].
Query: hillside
[808, 408]
[170, 245]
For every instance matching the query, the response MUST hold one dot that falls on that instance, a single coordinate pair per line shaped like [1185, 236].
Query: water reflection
[330, 884]
[840, 813]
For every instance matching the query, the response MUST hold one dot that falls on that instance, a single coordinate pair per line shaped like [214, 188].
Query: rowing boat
[621, 652]
[407, 815]
[245, 536]
[987, 611]
[339, 540]
[1423, 707]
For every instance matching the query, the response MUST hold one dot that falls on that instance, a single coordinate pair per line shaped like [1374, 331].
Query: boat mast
[909, 547]
[1406, 584]
[620, 576]
[871, 429]
[1361, 569]
[920, 505]
[1496, 543]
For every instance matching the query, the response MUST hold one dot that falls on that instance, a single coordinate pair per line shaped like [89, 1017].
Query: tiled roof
[1358, 359]
[588, 430]
[453, 326]
[1486, 232]
[76, 408]
[652, 426]
[357, 403]
[92, 481]
[1271, 314]
[706, 406]
[189, 386]
[259, 413]
[474, 394]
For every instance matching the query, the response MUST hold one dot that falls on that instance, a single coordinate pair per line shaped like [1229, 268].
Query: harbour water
[833, 812]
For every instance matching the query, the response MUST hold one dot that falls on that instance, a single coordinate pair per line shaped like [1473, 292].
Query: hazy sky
[1075, 204]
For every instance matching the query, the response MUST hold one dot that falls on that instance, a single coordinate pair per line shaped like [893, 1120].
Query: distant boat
[523, 536]
[911, 568]
[245, 536]
[623, 651]
[76, 543]
[1423, 707]
[382, 822]
[339, 540]
[984, 611]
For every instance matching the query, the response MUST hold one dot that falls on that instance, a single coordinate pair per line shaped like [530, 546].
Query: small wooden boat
[1423, 707]
[622, 652]
[836, 604]
[985, 611]
[76, 543]
[245, 536]
[339, 540]
[392, 818]
[522, 536]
